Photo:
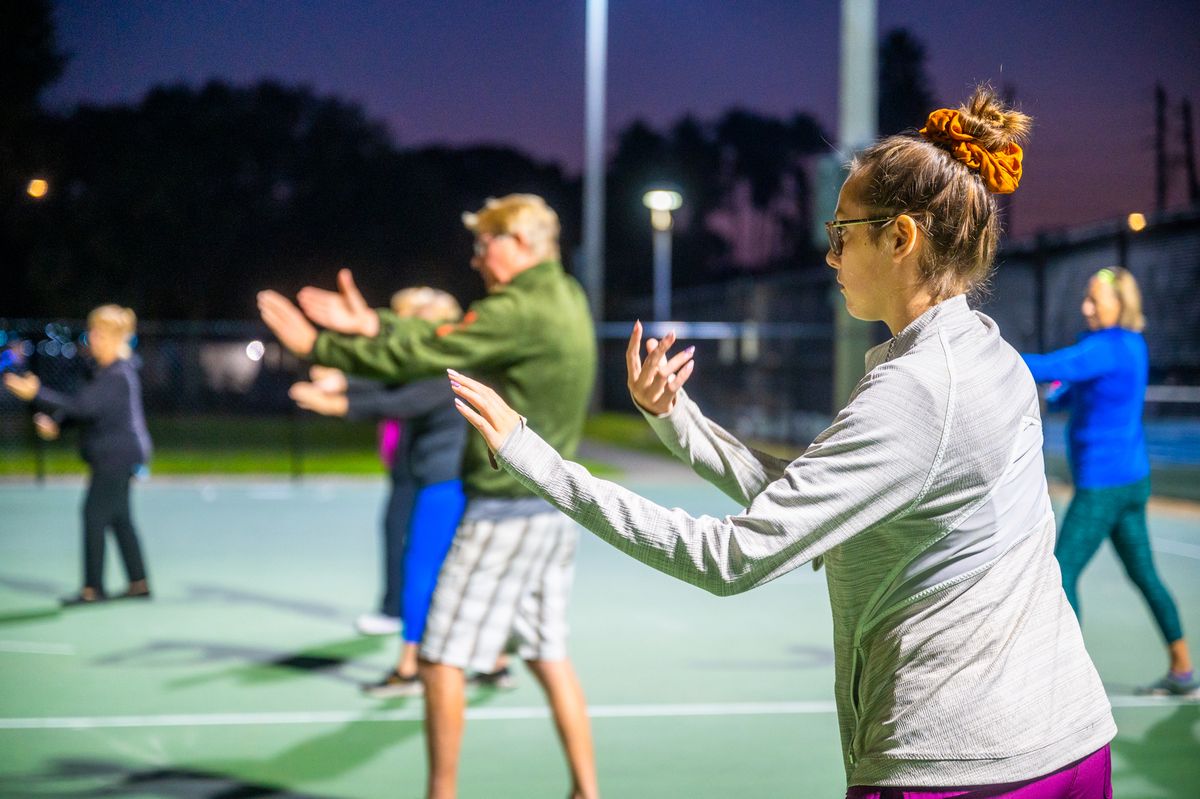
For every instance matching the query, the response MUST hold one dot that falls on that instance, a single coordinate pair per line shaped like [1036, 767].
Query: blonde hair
[118, 320]
[423, 302]
[949, 201]
[1128, 294]
[524, 214]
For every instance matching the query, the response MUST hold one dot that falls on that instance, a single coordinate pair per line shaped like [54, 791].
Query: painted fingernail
[690, 349]
[455, 384]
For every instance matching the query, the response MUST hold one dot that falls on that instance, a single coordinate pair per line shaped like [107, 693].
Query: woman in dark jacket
[113, 440]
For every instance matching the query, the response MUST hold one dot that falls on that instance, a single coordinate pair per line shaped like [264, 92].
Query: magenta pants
[1090, 778]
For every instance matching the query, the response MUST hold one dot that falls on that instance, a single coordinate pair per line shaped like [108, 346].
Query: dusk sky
[460, 72]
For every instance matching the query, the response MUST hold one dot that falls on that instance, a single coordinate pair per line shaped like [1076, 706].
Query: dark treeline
[185, 204]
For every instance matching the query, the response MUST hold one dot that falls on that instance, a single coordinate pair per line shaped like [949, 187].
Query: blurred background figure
[421, 439]
[1101, 380]
[113, 441]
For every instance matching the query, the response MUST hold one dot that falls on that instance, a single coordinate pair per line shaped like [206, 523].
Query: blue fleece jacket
[1104, 379]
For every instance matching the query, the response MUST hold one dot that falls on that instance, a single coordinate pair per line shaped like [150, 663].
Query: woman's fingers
[675, 362]
[676, 381]
[477, 421]
[496, 420]
[633, 353]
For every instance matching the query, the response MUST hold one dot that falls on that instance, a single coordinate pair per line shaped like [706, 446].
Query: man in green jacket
[509, 571]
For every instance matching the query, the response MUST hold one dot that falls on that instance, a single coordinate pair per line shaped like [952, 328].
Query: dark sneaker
[393, 685]
[131, 594]
[498, 680]
[81, 599]
[1172, 685]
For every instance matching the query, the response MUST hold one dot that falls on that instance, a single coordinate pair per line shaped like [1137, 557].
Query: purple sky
[457, 71]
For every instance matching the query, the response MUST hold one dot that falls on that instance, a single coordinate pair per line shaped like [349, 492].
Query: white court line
[413, 714]
[36, 648]
[1175, 548]
[474, 714]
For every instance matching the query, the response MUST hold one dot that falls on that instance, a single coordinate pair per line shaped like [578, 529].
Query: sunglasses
[837, 237]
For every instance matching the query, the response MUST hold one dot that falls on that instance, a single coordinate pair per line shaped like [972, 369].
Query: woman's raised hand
[654, 382]
[484, 409]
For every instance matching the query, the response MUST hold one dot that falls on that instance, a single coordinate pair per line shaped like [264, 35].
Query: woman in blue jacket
[1103, 383]
[113, 440]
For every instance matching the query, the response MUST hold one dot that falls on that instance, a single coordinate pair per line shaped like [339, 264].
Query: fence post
[1039, 290]
[297, 447]
[39, 458]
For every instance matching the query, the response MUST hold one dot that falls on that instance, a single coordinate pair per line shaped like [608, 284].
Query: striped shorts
[503, 587]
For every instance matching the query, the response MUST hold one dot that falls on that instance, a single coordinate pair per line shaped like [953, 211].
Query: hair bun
[994, 125]
[982, 135]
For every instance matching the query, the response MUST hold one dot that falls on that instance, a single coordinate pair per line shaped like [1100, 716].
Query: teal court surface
[240, 678]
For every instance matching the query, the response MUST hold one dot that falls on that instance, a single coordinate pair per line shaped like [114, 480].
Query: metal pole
[858, 112]
[662, 275]
[596, 56]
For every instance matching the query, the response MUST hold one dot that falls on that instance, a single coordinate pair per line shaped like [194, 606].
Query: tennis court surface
[241, 677]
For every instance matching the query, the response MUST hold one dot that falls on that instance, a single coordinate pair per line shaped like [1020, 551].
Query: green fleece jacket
[532, 340]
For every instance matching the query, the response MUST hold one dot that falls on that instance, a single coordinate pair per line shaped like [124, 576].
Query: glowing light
[254, 350]
[662, 200]
[37, 188]
[1137, 222]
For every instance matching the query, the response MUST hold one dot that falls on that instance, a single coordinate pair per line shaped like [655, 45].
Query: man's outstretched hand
[343, 311]
[287, 323]
[310, 397]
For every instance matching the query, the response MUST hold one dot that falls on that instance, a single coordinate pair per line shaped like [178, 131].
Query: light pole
[661, 203]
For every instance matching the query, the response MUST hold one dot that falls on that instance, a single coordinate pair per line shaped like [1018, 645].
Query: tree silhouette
[29, 63]
[905, 92]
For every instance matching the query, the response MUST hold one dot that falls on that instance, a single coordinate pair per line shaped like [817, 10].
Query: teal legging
[1118, 513]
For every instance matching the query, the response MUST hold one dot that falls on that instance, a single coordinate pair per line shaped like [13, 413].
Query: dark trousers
[396, 516]
[1119, 515]
[107, 505]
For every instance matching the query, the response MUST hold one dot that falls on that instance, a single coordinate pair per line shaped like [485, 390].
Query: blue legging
[1118, 513]
[436, 513]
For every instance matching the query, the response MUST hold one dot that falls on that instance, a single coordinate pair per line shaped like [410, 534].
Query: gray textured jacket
[958, 659]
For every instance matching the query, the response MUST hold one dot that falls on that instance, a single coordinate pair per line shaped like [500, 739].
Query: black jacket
[108, 410]
[431, 444]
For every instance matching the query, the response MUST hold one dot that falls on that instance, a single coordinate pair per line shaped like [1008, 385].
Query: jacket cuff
[670, 427]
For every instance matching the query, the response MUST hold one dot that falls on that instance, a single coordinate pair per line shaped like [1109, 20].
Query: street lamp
[37, 188]
[661, 203]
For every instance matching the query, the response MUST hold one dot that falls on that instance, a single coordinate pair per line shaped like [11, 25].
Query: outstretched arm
[853, 478]
[1086, 360]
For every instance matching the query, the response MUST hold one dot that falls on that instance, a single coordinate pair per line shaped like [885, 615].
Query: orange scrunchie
[1000, 170]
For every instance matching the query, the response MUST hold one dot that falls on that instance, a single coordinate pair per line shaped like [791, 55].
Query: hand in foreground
[47, 428]
[328, 379]
[310, 397]
[287, 323]
[487, 411]
[654, 382]
[23, 386]
[343, 311]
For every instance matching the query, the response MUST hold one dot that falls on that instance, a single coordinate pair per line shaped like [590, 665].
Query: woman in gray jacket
[958, 660]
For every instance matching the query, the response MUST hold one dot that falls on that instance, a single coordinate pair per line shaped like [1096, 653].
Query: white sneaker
[377, 624]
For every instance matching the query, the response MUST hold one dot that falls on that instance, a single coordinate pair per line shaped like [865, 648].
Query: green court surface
[241, 677]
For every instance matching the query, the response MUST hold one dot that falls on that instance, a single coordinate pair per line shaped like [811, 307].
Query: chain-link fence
[217, 388]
